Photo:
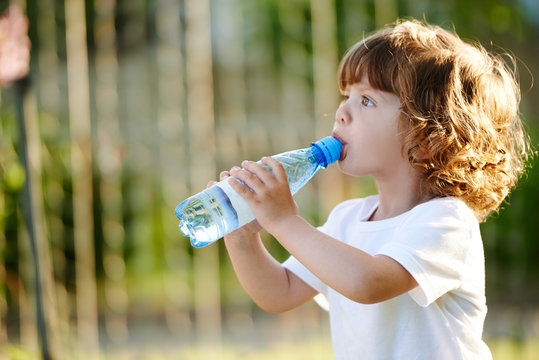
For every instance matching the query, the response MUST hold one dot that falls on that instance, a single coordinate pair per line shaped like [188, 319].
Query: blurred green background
[132, 105]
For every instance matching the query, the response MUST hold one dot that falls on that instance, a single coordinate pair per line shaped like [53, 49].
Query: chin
[341, 164]
[351, 171]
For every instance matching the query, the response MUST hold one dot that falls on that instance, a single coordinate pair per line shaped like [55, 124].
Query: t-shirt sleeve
[433, 247]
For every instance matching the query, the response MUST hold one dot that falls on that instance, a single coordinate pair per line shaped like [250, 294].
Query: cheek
[382, 145]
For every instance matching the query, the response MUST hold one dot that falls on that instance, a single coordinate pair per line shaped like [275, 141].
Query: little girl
[435, 122]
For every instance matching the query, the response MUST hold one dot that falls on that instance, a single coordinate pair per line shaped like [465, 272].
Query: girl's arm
[271, 286]
[268, 283]
[350, 271]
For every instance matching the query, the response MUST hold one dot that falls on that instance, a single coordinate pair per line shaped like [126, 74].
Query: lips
[344, 147]
[343, 152]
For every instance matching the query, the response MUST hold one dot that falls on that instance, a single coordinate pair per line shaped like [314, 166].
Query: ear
[421, 153]
[418, 156]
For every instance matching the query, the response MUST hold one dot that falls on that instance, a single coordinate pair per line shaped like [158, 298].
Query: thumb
[224, 174]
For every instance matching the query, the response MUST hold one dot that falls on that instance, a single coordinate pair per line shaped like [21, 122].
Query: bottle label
[245, 214]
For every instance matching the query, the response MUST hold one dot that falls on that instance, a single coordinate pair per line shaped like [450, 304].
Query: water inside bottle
[218, 210]
[299, 167]
[203, 219]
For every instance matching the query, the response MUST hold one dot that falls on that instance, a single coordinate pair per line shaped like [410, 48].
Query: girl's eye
[365, 101]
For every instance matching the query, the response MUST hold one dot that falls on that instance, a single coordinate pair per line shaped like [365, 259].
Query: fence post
[325, 64]
[201, 126]
[170, 124]
[81, 165]
[42, 276]
[109, 162]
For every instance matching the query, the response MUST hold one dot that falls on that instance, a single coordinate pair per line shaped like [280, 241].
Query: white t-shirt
[440, 245]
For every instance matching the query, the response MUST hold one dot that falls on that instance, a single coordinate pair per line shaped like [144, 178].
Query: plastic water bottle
[219, 210]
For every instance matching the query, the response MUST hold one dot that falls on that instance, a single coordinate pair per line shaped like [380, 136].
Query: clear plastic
[219, 210]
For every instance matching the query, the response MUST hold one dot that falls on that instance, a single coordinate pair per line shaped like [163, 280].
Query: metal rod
[20, 87]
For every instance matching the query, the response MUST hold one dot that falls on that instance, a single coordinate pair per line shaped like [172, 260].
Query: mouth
[343, 150]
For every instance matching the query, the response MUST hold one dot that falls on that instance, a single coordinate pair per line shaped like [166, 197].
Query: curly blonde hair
[459, 109]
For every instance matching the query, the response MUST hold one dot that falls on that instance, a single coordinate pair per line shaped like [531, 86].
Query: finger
[241, 189]
[247, 177]
[211, 183]
[261, 172]
[276, 167]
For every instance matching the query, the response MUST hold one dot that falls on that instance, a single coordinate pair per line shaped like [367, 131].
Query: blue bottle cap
[330, 148]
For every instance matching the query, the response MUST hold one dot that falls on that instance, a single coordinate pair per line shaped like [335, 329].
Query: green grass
[312, 349]
[502, 349]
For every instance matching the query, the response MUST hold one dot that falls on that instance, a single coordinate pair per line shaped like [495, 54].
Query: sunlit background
[130, 106]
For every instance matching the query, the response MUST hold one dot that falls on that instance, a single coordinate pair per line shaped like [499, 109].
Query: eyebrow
[377, 92]
[370, 90]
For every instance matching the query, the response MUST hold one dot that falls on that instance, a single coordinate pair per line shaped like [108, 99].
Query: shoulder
[439, 244]
[442, 225]
[442, 210]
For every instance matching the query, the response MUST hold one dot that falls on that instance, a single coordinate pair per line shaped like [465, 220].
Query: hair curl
[459, 109]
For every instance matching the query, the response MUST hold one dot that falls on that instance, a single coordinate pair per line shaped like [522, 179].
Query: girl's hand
[269, 195]
[247, 230]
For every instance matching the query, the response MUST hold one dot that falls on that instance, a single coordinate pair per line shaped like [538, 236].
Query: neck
[398, 194]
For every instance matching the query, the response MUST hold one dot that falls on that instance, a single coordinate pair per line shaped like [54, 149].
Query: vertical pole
[29, 218]
[232, 125]
[173, 161]
[49, 103]
[202, 149]
[229, 49]
[3, 282]
[295, 125]
[325, 65]
[3, 275]
[109, 162]
[81, 164]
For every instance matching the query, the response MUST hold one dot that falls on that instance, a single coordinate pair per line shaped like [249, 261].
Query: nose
[341, 116]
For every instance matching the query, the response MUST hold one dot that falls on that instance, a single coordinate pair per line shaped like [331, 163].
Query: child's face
[367, 124]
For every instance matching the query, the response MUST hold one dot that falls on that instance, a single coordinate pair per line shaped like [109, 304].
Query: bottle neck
[327, 150]
[319, 156]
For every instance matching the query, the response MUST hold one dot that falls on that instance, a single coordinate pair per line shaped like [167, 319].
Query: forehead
[364, 86]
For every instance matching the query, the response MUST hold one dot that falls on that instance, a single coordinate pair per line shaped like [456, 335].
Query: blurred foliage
[144, 161]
